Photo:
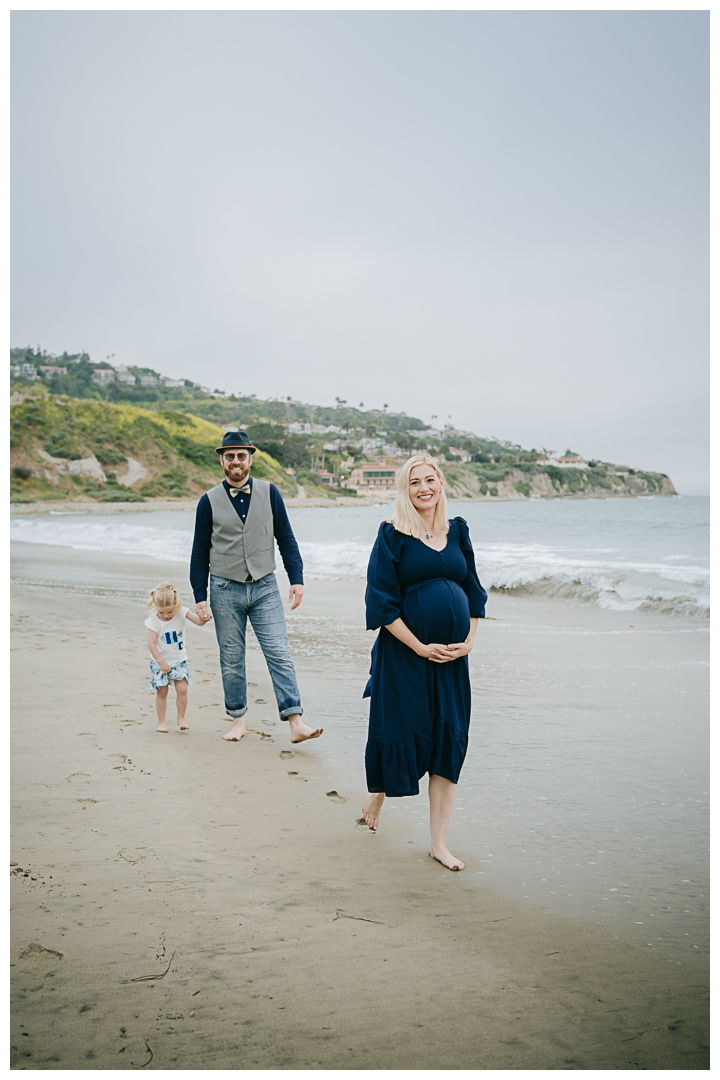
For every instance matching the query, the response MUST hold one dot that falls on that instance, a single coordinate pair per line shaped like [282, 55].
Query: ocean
[622, 554]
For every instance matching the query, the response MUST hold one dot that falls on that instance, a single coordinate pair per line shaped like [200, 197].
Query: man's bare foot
[446, 859]
[237, 731]
[371, 809]
[299, 731]
[162, 728]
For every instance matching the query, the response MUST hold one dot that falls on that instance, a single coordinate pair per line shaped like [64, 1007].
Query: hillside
[62, 448]
[523, 480]
[125, 386]
[123, 439]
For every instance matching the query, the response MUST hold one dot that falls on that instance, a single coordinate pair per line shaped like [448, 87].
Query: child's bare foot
[162, 728]
[299, 731]
[237, 731]
[183, 726]
[446, 859]
[371, 809]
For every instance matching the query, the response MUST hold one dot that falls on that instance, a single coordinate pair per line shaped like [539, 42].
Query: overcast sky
[497, 218]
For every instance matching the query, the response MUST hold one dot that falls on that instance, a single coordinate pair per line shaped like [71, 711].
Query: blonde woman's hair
[165, 597]
[406, 518]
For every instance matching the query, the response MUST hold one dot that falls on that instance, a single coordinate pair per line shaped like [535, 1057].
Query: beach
[173, 896]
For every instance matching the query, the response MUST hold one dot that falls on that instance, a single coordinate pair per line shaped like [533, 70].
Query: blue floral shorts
[176, 673]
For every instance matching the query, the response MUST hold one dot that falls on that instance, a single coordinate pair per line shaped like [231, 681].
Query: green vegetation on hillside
[169, 431]
[176, 452]
[213, 406]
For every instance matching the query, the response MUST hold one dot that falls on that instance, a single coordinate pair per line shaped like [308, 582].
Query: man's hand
[296, 595]
[201, 610]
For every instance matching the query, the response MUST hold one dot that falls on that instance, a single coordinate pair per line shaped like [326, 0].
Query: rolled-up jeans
[232, 603]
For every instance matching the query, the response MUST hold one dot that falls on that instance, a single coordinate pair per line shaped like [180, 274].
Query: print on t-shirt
[173, 637]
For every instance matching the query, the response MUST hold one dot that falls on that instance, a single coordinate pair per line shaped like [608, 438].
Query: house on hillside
[51, 369]
[124, 376]
[149, 380]
[572, 463]
[374, 476]
[24, 371]
[167, 381]
[428, 433]
[103, 376]
[564, 462]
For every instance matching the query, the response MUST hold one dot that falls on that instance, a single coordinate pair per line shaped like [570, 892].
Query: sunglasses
[242, 456]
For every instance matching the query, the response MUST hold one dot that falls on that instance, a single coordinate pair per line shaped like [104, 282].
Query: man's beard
[235, 476]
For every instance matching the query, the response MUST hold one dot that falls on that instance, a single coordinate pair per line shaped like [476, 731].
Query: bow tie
[237, 491]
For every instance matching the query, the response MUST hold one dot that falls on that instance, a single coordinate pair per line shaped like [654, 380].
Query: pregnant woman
[424, 594]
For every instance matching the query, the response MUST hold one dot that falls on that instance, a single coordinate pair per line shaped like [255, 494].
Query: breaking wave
[673, 584]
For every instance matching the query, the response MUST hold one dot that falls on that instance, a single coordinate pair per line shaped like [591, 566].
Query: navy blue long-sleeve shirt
[286, 542]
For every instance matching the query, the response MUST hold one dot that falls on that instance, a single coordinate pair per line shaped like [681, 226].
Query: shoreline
[91, 507]
[181, 902]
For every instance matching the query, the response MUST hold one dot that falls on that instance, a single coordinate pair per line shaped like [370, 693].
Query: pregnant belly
[437, 611]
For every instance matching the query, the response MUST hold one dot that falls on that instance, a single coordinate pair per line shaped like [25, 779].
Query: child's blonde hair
[165, 597]
[406, 518]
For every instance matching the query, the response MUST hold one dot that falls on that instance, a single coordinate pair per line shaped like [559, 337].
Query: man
[236, 525]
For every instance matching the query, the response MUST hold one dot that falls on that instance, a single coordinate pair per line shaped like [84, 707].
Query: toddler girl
[166, 641]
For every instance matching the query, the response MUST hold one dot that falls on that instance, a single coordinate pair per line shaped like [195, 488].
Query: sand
[173, 894]
[86, 505]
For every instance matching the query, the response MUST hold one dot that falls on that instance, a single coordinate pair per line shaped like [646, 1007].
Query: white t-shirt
[170, 636]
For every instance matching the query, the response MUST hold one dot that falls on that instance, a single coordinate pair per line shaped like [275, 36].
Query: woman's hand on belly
[461, 649]
[439, 654]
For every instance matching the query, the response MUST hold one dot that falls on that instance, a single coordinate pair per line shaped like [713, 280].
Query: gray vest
[240, 550]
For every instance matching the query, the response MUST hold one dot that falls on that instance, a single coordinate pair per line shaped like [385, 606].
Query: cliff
[476, 481]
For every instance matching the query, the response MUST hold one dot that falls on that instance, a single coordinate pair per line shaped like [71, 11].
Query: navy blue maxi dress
[419, 710]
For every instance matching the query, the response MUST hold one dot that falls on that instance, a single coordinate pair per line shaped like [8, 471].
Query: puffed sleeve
[382, 595]
[476, 595]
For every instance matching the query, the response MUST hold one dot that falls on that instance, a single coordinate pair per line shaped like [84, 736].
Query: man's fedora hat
[235, 440]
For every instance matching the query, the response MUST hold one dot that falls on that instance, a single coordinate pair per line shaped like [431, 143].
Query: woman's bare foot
[371, 809]
[446, 859]
[237, 731]
[162, 728]
[299, 731]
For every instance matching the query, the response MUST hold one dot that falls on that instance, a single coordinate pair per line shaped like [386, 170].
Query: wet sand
[173, 894]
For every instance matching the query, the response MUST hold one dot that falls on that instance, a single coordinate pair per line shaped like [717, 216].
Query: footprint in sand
[78, 777]
[333, 796]
[34, 964]
[286, 753]
[361, 823]
[294, 776]
[260, 701]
